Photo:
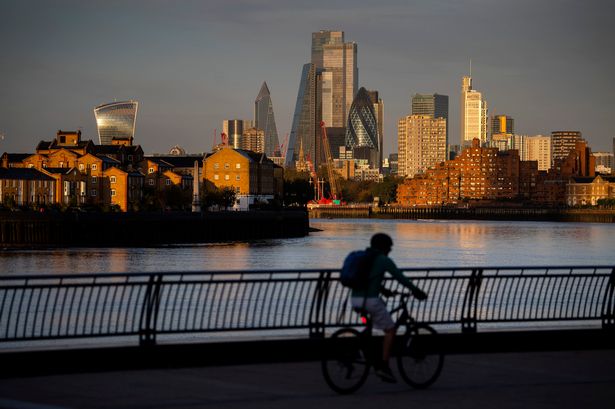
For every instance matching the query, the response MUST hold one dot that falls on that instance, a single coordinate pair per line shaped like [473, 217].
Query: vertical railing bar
[514, 300]
[95, 289]
[71, 312]
[499, 297]
[120, 311]
[9, 317]
[571, 297]
[218, 324]
[192, 307]
[129, 288]
[103, 312]
[136, 306]
[563, 284]
[233, 296]
[256, 303]
[249, 302]
[53, 310]
[540, 308]
[28, 313]
[38, 303]
[276, 305]
[200, 312]
[265, 298]
[113, 290]
[80, 317]
[62, 307]
[242, 306]
[19, 309]
[185, 307]
[209, 301]
[597, 306]
[553, 281]
[585, 294]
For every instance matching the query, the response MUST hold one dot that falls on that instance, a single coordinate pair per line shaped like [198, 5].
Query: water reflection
[420, 243]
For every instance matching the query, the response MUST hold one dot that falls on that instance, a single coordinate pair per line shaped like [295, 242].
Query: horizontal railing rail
[148, 305]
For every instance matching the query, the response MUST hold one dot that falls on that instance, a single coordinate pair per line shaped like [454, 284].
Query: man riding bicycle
[367, 298]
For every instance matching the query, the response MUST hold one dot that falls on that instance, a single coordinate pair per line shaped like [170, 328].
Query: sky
[192, 64]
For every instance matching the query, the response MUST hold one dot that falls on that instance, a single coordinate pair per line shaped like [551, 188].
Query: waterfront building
[121, 188]
[116, 120]
[254, 178]
[604, 162]
[562, 143]
[421, 141]
[265, 121]
[233, 129]
[26, 187]
[394, 164]
[254, 140]
[473, 114]
[304, 130]
[434, 105]
[362, 130]
[478, 173]
[536, 147]
[581, 191]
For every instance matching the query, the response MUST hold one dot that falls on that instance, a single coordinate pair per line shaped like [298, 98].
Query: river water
[417, 243]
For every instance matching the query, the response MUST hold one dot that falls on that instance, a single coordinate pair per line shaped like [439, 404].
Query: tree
[227, 197]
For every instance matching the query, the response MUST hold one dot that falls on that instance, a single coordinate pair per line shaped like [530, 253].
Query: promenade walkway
[565, 379]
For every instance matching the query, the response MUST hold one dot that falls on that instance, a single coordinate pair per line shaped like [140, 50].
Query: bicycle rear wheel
[420, 361]
[344, 364]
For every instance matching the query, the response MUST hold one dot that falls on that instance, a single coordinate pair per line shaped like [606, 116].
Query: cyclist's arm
[399, 275]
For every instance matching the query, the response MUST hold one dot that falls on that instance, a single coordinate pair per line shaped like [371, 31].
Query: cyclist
[369, 300]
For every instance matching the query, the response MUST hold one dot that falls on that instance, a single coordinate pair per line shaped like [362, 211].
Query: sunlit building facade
[473, 114]
[116, 120]
[421, 143]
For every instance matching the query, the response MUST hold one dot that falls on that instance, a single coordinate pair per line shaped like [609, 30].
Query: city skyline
[65, 61]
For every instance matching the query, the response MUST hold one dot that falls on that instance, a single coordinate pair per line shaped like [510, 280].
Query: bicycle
[350, 353]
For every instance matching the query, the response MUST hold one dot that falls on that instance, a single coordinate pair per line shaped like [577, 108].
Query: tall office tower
[116, 120]
[473, 114]
[379, 112]
[538, 148]
[435, 105]
[233, 129]
[362, 130]
[604, 162]
[336, 63]
[253, 139]
[304, 131]
[264, 119]
[501, 132]
[421, 142]
[562, 143]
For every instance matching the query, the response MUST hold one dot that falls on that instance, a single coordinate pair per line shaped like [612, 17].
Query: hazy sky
[191, 64]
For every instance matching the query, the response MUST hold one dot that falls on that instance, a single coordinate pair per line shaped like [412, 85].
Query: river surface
[417, 243]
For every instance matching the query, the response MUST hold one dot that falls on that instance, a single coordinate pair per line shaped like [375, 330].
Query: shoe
[385, 374]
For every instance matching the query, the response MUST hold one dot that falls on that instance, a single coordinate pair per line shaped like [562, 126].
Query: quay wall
[44, 230]
[471, 213]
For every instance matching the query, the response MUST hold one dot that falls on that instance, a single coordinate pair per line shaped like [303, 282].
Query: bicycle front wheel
[420, 361]
[344, 365]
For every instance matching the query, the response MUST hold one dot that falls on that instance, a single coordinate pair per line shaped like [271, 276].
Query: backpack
[356, 269]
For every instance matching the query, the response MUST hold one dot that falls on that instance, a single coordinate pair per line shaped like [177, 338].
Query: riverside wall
[43, 230]
[470, 213]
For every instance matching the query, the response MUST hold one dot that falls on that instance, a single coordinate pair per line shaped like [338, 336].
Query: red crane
[336, 192]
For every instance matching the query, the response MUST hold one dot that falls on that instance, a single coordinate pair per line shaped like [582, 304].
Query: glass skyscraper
[303, 131]
[116, 120]
[265, 121]
[473, 114]
[362, 128]
[435, 105]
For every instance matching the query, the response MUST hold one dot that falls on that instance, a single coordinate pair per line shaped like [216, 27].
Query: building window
[238, 166]
[93, 192]
[216, 165]
[94, 166]
[129, 157]
[150, 182]
[94, 180]
[227, 177]
[216, 177]
[227, 166]
[112, 192]
[168, 182]
[237, 190]
[81, 166]
[237, 177]
[112, 179]
[150, 170]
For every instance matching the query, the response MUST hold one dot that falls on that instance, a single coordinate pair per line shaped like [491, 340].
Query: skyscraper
[421, 141]
[502, 130]
[336, 65]
[379, 112]
[435, 105]
[473, 114]
[233, 129]
[562, 143]
[116, 120]
[362, 129]
[264, 120]
[303, 131]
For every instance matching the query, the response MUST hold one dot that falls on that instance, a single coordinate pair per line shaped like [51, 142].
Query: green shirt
[382, 264]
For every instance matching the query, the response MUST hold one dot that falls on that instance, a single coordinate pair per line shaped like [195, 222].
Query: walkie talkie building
[116, 121]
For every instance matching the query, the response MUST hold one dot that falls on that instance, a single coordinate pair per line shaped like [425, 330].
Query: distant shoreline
[471, 213]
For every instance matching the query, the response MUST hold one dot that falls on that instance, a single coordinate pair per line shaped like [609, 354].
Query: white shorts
[377, 309]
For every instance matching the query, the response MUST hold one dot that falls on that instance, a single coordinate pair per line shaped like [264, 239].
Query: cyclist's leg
[381, 319]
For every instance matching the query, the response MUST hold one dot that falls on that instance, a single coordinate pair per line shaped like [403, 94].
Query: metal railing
[301, 302]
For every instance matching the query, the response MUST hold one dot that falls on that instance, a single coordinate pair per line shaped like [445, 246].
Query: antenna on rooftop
[470, 67]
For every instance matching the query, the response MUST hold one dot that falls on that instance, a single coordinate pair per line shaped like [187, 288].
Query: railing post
[469, 318]
[319, 303]
[149, 311]
[608, 304]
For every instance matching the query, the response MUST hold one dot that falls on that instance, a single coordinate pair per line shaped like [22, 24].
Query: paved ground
[584, 379]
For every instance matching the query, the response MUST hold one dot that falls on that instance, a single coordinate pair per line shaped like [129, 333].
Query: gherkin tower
[265, 121]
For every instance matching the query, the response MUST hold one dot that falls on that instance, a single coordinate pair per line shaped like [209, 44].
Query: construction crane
[333, 182]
